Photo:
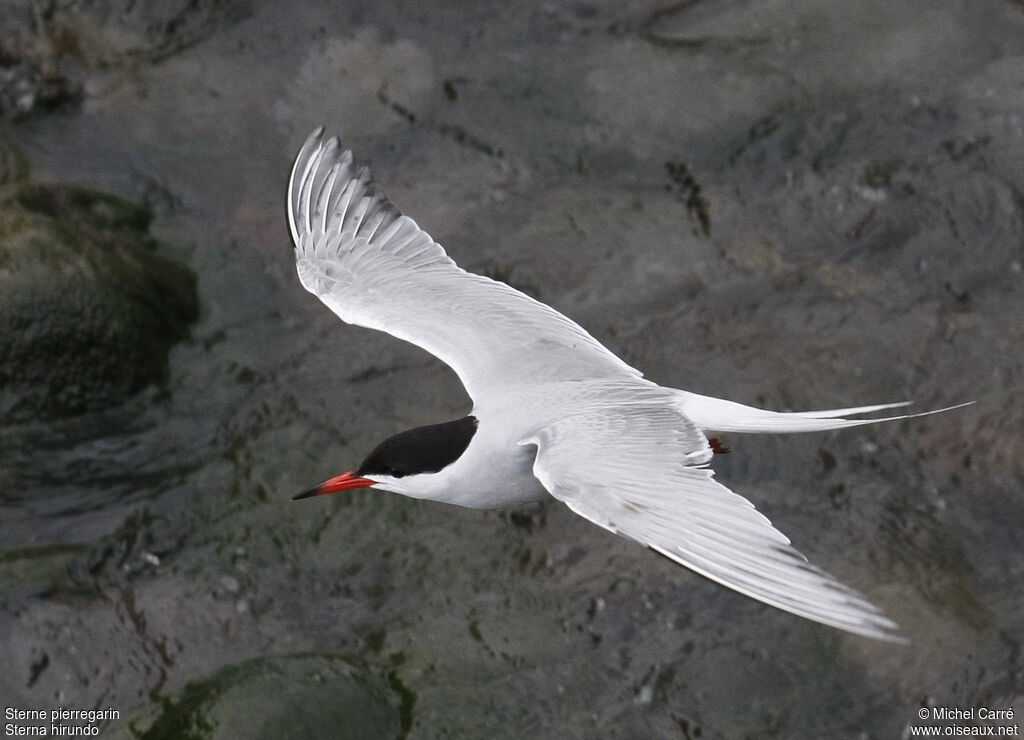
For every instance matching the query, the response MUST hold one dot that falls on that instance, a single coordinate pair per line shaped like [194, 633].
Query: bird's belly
[507, 492]
[502, 478]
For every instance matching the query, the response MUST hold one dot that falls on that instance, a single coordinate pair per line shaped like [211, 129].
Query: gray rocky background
[794, 203]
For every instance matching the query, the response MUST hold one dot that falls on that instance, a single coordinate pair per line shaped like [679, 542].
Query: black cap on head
[426, 449]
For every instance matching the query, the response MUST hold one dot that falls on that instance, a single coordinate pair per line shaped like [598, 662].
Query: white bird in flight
[555, 413]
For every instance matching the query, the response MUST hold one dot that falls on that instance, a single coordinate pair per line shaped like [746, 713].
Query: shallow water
[789, 203]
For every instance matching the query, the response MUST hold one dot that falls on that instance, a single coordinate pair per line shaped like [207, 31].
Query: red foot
[717, 447]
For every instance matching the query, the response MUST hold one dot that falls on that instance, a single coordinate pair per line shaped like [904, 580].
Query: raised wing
[376, 268]
[637, 471]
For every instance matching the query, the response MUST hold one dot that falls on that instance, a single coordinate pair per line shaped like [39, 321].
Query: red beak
[341, 482]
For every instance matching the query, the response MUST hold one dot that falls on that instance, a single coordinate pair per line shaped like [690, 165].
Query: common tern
[555, 413]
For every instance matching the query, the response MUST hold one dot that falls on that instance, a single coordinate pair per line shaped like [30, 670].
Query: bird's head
[416, 452]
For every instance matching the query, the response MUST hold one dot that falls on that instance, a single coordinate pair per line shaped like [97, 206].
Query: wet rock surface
[789, 203]
[13, 167]
[89, 307]
[54, 54]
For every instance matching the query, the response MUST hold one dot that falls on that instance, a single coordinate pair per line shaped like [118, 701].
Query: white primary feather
[376, 268]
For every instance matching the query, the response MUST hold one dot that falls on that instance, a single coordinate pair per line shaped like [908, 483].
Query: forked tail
[719, 415]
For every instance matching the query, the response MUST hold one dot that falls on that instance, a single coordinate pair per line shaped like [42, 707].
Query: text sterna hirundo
[555, 413]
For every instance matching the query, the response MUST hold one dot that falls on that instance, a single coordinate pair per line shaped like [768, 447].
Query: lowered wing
[638, 470]
[376, 268]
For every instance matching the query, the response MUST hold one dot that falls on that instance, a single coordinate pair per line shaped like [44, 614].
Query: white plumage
[557, 412]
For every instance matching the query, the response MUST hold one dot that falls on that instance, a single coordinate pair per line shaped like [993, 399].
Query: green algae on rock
[308, 696]
[88, 306]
